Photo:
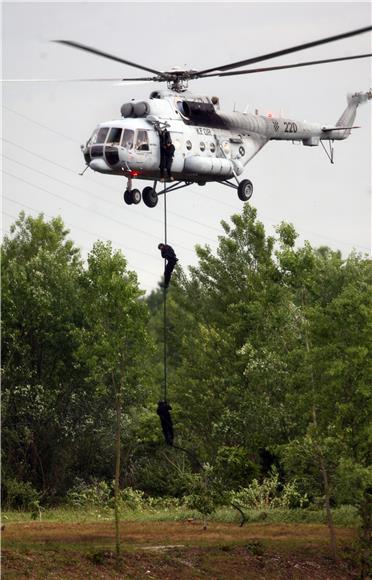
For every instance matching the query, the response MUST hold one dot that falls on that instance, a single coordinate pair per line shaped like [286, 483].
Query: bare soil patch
[172, 550]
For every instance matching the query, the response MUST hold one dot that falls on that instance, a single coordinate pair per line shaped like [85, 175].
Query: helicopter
[209, 145]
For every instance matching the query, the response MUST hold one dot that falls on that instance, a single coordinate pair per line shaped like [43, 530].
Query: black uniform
[168, 253]
[166, 421]
[166, 154]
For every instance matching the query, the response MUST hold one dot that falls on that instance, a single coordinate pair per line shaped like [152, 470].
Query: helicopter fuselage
[209, 144]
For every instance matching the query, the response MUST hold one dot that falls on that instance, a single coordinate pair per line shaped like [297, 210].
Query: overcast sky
[44, 124]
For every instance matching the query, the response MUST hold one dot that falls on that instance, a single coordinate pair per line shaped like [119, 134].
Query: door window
[142, 142]
[128, 138]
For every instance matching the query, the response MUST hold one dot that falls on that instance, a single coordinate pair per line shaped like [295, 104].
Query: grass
[173, 543]
[65, 548]
[343, 516]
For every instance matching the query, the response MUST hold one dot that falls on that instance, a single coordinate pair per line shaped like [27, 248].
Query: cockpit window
[101, 135]
[93, 139]
[128, 138]
[142, 143]
[114, 136]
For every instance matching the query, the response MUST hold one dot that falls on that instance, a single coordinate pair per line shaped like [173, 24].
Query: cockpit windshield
[114, 136]
[100, 135]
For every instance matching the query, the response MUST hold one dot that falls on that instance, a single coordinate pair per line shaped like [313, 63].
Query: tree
[230, 310]
[113, 340]
[40, 298]
[330, 365]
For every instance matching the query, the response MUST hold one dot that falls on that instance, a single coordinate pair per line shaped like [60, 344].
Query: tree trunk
[327, 496]
[117, 471]
[322, 463]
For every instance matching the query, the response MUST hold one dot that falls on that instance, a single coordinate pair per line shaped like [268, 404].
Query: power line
[94, 234]
[82, 229]
[100, 184]
[193, 193]
[86, 208]
[90, 193]
[40, 124]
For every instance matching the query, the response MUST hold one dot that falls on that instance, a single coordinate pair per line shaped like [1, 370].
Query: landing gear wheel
[127, 197]
[245, 190]
[150, 197]
[136, 196]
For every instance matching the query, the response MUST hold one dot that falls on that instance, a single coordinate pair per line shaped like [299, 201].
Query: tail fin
[348, 116]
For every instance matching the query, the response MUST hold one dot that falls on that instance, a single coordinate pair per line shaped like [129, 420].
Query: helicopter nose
[100, 165]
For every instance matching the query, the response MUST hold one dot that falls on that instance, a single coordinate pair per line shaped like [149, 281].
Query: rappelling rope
[165, 299]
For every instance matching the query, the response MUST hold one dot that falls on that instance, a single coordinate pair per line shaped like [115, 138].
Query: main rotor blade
[116, 80]
[286, 51]
[106, 55]
[284, 66]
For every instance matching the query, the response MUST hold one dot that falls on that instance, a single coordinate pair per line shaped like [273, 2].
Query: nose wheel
[132, 196]
[149, 196]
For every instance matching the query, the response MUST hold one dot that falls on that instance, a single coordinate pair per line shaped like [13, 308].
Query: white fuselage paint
[202, 153]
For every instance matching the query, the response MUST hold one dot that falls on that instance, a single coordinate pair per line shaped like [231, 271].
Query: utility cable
[219, 202]
[92, 194]
[90, 233]
[81, 247]
[86, 208]
[41, 125]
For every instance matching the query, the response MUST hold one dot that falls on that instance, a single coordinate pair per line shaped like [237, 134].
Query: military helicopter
[210, 145]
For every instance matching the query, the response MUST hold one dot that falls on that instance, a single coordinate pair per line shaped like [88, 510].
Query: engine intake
[204, 114]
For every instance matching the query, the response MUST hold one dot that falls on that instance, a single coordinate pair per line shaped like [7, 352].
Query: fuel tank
[208, 166]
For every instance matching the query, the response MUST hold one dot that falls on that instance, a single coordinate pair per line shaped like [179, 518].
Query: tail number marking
[290, 127]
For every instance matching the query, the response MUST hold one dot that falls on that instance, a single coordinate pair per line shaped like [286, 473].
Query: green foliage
[352, 481]
[270, 494]
[19, 495]
[255, 547]
[269, 349]
[132, 498]
[204, 496]
[234, 468]
[40, 271]
[82, 494]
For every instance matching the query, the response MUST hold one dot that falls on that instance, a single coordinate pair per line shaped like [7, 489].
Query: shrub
[270, 494]
[19, 494]
[89, 494]
[133, 499]
[234, 468]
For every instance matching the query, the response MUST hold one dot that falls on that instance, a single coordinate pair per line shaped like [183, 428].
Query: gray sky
[44, 124]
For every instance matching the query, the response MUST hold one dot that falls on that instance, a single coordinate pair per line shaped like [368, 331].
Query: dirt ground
[173, 550]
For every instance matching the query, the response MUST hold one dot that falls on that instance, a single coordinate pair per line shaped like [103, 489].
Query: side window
[142, 143]
[102, 134]
[128, 138]
[114, 136]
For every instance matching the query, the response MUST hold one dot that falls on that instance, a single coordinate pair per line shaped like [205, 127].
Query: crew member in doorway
[166, 421]
[169, 255]
[166, 155]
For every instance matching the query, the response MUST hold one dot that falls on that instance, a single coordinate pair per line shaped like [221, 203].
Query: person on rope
[168, 253]
[166, 154]
[166, 421]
